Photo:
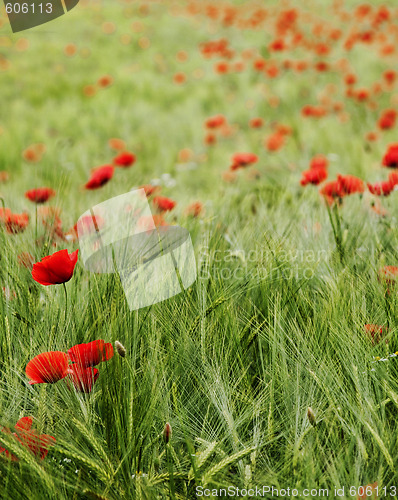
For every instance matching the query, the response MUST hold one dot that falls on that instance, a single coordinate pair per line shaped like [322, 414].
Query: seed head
[121, 350]
[167, 432]
[311, 416]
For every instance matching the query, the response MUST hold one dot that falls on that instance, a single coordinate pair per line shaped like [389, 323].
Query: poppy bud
[121, 350]
[311, 416]
[167, 432]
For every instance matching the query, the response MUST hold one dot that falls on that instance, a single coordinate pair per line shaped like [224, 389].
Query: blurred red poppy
[215, 121]
[116, 143]
[319, 161]
[149, 189]
[388, 274]
[164, 204]
[342, 186]
[40, 195]
[386, 187]
[370, 492]
[36, 443]
[194, 209]
[88, 224]
[313, 176]
[91, 354]
[242, 160]
[99, 177]
[350, 184]
[47, 368]
[146, 222]
[56, 268]
[380, 188]
[105, 81]
[4, 176]
[375, 332]
[4, 213]
[274, 142]
[390, 159]
[124, 159]
[83, 378]
[387, 119]
[256, 122]
[25, 259]
[14, 223]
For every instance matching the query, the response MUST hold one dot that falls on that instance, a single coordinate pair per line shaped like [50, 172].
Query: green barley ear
[121, 350]
[167, 432]
[311, 416]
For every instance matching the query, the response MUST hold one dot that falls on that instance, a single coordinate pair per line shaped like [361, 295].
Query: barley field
[268, 131]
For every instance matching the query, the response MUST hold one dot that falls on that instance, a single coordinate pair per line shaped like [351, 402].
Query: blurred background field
[275, 322]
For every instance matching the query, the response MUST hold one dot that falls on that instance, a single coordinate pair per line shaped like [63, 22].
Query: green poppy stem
[66, 301]
[36, 227]
[3, 203]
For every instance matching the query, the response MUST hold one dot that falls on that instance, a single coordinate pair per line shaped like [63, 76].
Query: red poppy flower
[380, 188]
[91, 354]
[4, 213]
[277, 45]
[350, 184]
[34, 152]
[362, 94]
[375, 332]
[390, 159]
[4, 176]
[370, 492]
[275, 141]
[116, 143]
[40, 195]
[51, 220]
[146, 222]
[387, 119]
[388, 273]
[89, 224]
[215, 121]
[386, 187]
[5, 451]
[47, 368]
[194, 209]
[210, 139]
[164, 204]
[314, 176]
[350, 79]
[56, 268]
[83, 378]
[256, 123]
[124, 159]
[37, 443]
[105, 81]
[371, 136]
[342, 186]
[319, 161]
[149, 189]
[332, 189]
[25, 259]
[242, 160]
[389, 76]
[100, 176]
[15, 223]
